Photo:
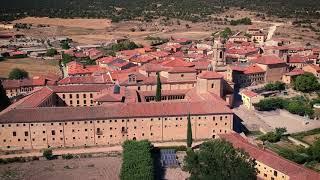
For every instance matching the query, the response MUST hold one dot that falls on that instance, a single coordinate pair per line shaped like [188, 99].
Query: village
[243, 84]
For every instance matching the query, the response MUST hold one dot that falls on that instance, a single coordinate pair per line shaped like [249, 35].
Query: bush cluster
[245, 21]
[296, 105]
[137, 162]
[277, 86]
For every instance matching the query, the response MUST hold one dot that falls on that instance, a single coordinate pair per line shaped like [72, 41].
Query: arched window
[221, 54]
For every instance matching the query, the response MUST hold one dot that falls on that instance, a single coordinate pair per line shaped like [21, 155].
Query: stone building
[92, 115]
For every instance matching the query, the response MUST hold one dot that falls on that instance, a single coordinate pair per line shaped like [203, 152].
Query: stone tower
[219, 53]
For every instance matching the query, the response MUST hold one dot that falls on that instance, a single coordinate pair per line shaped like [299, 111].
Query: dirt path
[117, 148]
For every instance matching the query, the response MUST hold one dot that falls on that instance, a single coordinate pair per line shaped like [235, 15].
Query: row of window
[77, 96]
[110, 121]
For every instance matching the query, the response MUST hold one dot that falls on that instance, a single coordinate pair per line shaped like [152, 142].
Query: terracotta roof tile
[118, 110]
[210, 75]
[293, 170]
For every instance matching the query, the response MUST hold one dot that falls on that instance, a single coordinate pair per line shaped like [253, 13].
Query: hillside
[192, 10]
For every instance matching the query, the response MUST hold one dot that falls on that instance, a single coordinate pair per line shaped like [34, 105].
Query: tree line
[192, 10]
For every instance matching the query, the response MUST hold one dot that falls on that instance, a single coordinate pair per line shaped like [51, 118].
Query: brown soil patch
[35, 67]
[81, 169]
[311, 139]
[82, 23]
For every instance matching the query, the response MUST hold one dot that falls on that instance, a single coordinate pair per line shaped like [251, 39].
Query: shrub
[47, 153]
[67, 156]
[137, 161]
[277, 86]
[17, 73]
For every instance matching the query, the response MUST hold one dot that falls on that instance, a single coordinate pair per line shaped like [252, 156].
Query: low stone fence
[298, 142]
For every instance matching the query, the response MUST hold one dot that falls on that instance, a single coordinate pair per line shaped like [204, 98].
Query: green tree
[189, 132]
[158, 90]
[47, 153]
[306, 83]
[137, 162]
[66, 58]
[218, 160]
[225, 33]
[17, 73]
[5, 101]
[51, 52]
[65, 45]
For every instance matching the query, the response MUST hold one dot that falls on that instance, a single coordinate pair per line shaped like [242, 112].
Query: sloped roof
[293, 170]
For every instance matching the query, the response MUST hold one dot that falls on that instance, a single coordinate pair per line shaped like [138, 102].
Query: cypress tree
[158, 90]
[4, 100]
[189, 132]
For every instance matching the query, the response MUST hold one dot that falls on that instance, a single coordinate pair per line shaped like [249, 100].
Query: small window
[26, 133]
[70, 95]
[84, 95]
[91, 95]
[182, 75]
[14, 133]
[275, 173]
[77, 95]
[53, 132]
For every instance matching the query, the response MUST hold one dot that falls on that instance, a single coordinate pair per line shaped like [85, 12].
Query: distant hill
[193, 10]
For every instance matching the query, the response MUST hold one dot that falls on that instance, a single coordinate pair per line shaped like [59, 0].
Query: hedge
[137, 162]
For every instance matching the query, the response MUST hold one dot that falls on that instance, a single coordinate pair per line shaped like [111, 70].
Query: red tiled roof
[106, 60]
[293, 170]
[35, 98]
[295, 72]
[253, 69]
[210, 75]
[100, 79]
[142, 59]
[298, 59]
[118, 110]
[315, 67]
[35, 81]
[249, 93]
[176, 62]
[182, 70]
[269, 59]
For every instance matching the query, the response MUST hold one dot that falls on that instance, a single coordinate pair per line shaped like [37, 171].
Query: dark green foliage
[306, 83]
[51, 52]
[189, 132]
[126, 45]
[67, 156]
[225, 33]
[277, 86]
[65, 44]
[245, 21]
[296, 105]
[17, 73]
[218, 160]
[155, 41]
[192, 10]
[270, 104]
[4, 100]
[158, 90]
[66, 58]
[47, 153]
[137, 162]
[176, 148]
[273, 136]
[301, 135]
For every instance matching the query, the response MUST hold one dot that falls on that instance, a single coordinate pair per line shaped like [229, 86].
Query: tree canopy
[137, 162]
[17, 73]
[158, 90]
[306, 83]
[189, 132]
[51, 52]
[4, 100]
[218, 160]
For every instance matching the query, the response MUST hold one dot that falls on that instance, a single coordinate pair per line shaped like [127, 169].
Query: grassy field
[35, 67]
[308, 136]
